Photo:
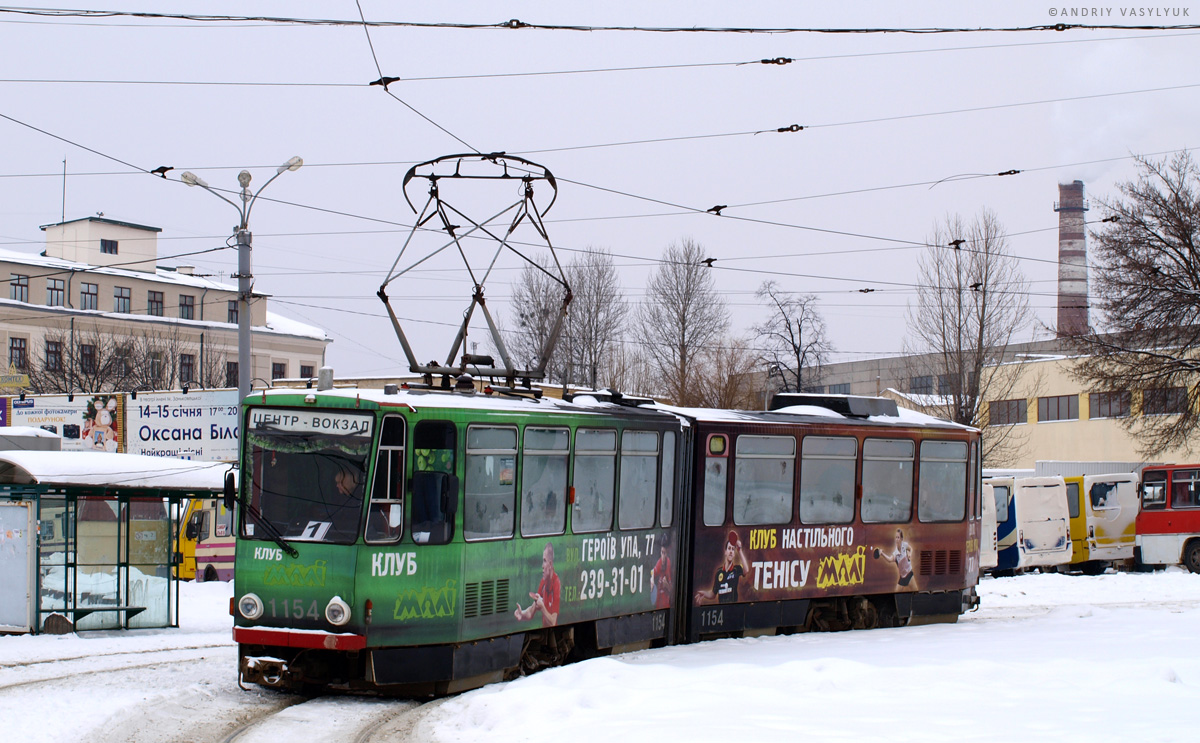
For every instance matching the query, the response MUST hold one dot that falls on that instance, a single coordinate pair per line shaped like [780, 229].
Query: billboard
[85, 422]
[199, 424]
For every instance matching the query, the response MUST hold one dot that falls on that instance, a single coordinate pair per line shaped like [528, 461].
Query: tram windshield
[306, 473]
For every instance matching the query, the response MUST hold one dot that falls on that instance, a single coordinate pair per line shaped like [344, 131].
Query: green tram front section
[443, 539]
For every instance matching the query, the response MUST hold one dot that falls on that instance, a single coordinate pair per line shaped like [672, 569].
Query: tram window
[434, 486]
[666, 502]
[491, 489]
[887, 481]
[827, 479]
[1073, 500]
[716, 474]
[1154, 490]
[1185, 489]
[385, 516]
[639, 479]
[942, 491]
[1000, 493]
[544, 481]
[595, 478]
[764, 480]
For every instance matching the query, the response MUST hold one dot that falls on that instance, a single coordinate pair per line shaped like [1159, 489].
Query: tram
[420, 541]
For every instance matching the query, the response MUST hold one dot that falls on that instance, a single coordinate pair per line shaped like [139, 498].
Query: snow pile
[1048, 658]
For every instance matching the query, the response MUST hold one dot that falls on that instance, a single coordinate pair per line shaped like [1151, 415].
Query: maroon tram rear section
[829, 513]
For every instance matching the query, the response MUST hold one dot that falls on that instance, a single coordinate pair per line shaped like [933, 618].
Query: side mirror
[193, 528]
[230, 495]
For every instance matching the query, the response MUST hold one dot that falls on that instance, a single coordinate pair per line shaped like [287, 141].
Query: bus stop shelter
[87, 538]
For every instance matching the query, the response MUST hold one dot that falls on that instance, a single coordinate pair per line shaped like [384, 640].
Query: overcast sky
[886, 117]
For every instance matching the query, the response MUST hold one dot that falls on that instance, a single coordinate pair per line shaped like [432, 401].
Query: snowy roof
[160, 274]
[104, 469]
[418, 399]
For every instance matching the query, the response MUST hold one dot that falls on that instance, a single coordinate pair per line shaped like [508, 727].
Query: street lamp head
[293, 164]
[192, 179]
[244, 178]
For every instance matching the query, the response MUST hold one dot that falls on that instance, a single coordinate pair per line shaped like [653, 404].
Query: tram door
[17, 545]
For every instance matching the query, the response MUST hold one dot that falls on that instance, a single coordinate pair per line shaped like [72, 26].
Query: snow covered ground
[1047, 657]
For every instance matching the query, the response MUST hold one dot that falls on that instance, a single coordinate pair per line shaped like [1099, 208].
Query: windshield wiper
[270, 529]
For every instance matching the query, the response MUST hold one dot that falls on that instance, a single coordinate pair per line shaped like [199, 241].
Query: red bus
[1168, 527]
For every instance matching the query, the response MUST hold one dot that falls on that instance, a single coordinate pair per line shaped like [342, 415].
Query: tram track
[52, 661]
[76, 666]
[342, 718]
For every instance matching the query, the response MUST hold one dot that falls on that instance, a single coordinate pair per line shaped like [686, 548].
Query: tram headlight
[250, 606]
[337, 611]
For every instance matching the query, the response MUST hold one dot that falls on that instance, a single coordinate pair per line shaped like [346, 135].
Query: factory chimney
[1072, 260]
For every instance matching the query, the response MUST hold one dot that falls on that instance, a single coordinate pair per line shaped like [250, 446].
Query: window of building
[19, 288]
[187, 368]
[156, 368]
[942, 488]
[1007, 412]
[639, 479]
[278, 370]
[121, 296]
[56, 291]
[1164, 401]
[87, 358]
[827, 479]
[595, 479]
[108, 246]
[122, 355]
[187, 307]
[887, 480]
[231, 374]
[18, 353]
[544, 481]
[946, 384]
[491, 482]
[154, 303]
[1108, 404]
[306, 372]
[89, 296]
[1058, 408]
[764, 479]
[716, 475]
[1185, 489]
[839, 389]
[232, 317]
[922, 385]
[54, 359]
[385, 514]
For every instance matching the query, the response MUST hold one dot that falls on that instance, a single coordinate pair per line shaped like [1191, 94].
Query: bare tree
[90, 359]
[1148, 288]
[681, 316]
[971, 306]
[627, 369]
[537, 301]
[793, 336]
[727, 376]
[595, 318]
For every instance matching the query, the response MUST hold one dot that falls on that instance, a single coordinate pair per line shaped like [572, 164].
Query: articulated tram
[420, 541]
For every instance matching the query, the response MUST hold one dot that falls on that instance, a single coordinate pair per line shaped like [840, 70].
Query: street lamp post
[243, 237]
